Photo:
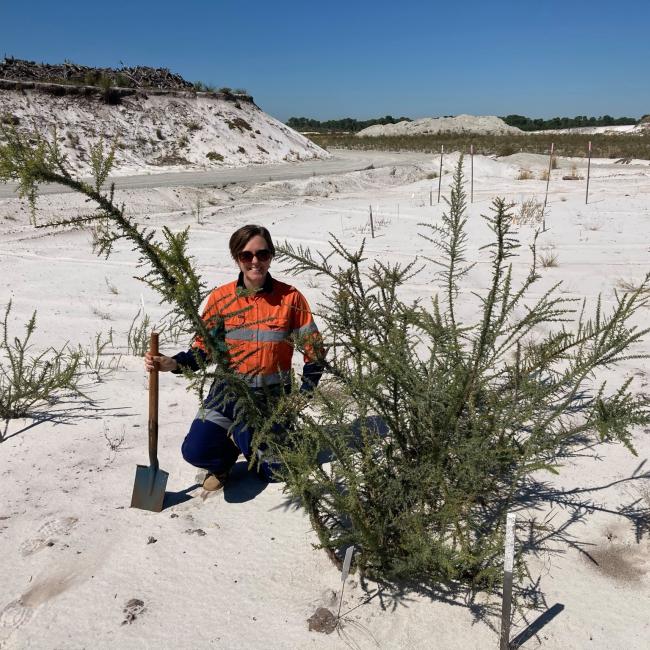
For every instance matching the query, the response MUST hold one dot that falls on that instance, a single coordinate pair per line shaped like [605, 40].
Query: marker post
[588, 172]
[442, 151]
[471, 156]
[508, 563]
[344, 575]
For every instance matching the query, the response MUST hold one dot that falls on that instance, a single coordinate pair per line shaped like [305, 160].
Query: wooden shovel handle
[153, 404]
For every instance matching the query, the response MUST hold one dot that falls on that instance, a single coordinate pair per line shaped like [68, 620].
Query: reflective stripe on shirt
[305, 329]
[264, 336]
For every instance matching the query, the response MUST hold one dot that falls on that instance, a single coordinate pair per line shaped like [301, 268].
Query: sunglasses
[263, 255]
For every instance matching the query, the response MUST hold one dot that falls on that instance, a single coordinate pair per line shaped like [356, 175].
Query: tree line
[351, 125]
[539, 124]
[348, 124]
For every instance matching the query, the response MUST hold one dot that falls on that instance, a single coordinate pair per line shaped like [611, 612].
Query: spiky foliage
[28, 380]
[166, 265]
[429, 426]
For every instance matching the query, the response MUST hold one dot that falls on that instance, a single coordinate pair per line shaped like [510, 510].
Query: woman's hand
[160, 362]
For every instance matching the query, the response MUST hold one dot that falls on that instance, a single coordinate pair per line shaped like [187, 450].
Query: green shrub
[435, 427]
[213, 156]
[29, 382]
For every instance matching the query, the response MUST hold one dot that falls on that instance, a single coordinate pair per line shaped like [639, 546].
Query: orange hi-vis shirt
[261, 329]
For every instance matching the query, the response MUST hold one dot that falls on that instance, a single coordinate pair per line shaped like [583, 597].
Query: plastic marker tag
[346, 563]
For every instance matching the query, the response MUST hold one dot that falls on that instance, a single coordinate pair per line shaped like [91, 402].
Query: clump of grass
[240, 124]
[93, 359]
[531, 212]
[137, 338]
[548, 259]
[630, 286]
[543, 175]
[524, 175]
[111, 287]
[213, 156]
[104, 315]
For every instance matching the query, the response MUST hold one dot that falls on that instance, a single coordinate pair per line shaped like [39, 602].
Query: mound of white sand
[157, 133]
[482, 124]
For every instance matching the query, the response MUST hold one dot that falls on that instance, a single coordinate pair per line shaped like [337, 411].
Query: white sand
[161, 133]
[74, 553]
[483, 124]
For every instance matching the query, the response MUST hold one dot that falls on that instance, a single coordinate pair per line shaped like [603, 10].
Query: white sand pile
[158, 133]
[482, 124]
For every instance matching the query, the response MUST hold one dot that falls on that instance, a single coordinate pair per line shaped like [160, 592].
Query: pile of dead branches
[72, 73]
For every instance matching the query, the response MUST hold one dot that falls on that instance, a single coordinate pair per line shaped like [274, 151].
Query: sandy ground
[237, 569]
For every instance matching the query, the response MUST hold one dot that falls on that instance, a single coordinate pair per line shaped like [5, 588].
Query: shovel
[150, 481]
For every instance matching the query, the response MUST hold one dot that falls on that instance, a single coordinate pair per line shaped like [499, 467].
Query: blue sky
[364, 59]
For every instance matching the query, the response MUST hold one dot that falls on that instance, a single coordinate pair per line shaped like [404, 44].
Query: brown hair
[243, 235]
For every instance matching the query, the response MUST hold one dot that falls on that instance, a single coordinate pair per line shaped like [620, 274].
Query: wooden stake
[372, 225]
[548, 178]
[344, 574]
[588, 173]
[471, 154]
[508, 563]
[442, 151]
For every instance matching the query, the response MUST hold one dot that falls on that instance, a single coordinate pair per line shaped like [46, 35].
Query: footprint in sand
[47, 534]
[12, 617]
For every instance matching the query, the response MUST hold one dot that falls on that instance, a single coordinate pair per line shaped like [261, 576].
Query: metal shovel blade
[149, 488]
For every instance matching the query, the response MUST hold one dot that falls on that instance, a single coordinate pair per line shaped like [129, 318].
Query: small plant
[29, 382]
[73, 138]
[104, 315]
[531, 212]
[543, 175]
[111, 287]
[630, 286]
[201, 87]
[159, 134]
[137, 338]
[431, 175]
[241, 150]
[183, 140]
[9, 119]
[114, 442]
[193, 126]
[197, 210]
[110, 94]
[548, 259]
[524, 175]
[213, 156]
[240, 124]
[93, 359]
